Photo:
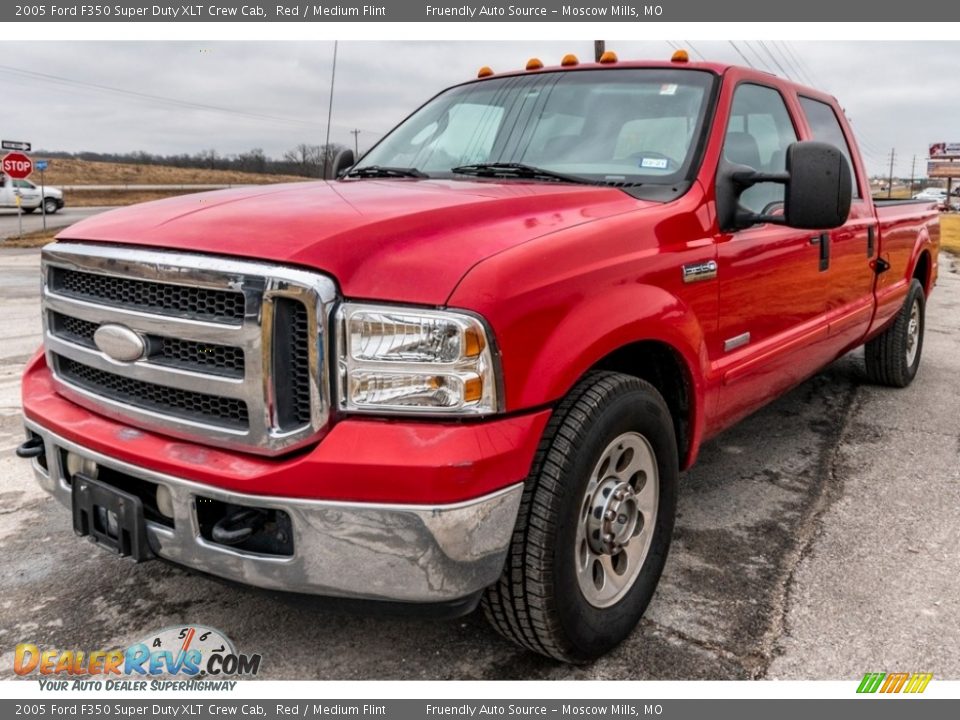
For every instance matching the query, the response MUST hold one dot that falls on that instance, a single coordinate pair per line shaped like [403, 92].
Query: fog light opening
[79, 465]
[165, 501]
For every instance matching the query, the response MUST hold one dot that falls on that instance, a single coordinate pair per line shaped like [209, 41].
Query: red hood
[409, 240]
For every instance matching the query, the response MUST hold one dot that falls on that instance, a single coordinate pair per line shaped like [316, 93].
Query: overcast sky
[118, 96]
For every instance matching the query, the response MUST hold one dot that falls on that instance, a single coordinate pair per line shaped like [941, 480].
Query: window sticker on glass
[658, 163]
[668, 89]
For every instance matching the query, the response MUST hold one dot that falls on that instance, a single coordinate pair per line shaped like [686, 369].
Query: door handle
[823, 240]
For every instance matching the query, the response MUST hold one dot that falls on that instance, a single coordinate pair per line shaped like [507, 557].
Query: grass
[115, 198]
[70, 171]
[30, 240]
[950, 232]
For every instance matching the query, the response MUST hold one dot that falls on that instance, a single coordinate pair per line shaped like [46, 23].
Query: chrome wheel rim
[913, 333]
[618, 514]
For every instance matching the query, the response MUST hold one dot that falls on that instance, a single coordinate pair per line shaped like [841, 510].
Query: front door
[772, 279]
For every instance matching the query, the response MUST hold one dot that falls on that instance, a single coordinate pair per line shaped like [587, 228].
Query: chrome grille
[162, 298]
[186, 354]
[248, 374]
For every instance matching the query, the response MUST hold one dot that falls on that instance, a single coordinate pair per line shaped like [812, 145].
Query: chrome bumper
[403, 553]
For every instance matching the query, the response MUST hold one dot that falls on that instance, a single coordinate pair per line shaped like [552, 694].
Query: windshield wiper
[515, 170]
[381, 171]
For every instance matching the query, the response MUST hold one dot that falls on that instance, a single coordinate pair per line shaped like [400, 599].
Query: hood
[401, 240]
[53, 192]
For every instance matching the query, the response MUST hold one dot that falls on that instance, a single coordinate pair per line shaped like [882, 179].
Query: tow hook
[236, 527]
[31, 448]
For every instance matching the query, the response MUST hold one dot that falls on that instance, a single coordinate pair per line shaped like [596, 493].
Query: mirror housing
[342, 162]
[817, 190]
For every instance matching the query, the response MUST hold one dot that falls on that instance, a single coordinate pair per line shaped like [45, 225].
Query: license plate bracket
[110, 517]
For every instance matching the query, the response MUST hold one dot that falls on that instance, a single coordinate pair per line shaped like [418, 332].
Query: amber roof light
[484, 72]
[609, 56]
[680, 56]
[534, 64]
[569, 60]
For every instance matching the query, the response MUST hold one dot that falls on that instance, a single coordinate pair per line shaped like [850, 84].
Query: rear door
[852, 246]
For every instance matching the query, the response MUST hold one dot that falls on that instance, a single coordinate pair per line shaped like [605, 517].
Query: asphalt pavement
[10, 226]
[816, 540]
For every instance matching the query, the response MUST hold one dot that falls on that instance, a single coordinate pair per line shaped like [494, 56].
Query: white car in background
[933, 194]
[31, 198]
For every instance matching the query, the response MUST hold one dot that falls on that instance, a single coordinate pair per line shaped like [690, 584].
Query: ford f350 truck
[471, 369]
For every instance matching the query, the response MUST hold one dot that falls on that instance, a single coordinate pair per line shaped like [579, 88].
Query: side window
[758, 135]
[826, 128]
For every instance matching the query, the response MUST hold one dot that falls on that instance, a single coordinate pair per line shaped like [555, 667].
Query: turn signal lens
[534, 64]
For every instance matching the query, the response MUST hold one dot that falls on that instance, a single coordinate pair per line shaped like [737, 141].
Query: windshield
[625, 126]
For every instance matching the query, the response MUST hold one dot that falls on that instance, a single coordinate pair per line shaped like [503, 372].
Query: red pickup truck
[471, 369]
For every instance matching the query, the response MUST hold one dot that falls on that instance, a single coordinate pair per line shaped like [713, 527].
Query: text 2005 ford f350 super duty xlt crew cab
[472, 368]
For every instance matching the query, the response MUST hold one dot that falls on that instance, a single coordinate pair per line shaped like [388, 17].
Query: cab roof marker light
[680, 56]
[569, 60]
[608, 57]
[485, 71]
[534, 64]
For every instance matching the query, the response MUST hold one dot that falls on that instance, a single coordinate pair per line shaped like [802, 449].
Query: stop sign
[17, 165]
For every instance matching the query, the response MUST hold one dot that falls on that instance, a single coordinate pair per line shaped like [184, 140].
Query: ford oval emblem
[119, 343]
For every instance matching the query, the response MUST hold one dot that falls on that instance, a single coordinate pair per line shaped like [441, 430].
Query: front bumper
[404, 553]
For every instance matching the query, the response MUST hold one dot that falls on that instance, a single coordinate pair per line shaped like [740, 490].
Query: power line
[697, 52]
[34, 76]
[745, 59]
[764, 63]
[794, 71]
[767, 50]
[789, 51]
[60, 80]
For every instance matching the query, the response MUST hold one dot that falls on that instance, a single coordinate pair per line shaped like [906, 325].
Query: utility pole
[326, 145]
[598, 48]
[913, 172]
[893, 155]
[356, 143]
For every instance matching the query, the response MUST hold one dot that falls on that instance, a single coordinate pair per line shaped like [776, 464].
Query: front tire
[50, 207]
[594, 525]
[893, 357]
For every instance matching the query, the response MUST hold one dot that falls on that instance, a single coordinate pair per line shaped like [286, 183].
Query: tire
[543, 600]
[50, 206]
[893, 357]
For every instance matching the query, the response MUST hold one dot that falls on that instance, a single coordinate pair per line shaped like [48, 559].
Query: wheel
[50, 206]
[893, 357]
[594, 524]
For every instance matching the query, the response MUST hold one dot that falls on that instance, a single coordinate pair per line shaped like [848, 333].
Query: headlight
[407, 360]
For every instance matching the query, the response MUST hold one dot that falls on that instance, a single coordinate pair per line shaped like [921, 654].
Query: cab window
[825, 127]
[758, 135]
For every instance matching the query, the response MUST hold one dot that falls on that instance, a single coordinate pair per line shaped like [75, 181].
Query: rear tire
[893, 357]
[594, 525]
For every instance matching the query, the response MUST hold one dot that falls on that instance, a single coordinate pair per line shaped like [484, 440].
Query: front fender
[598, 325]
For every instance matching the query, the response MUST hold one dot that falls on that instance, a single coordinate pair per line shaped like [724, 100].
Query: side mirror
[817, 190]
[342, 162]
